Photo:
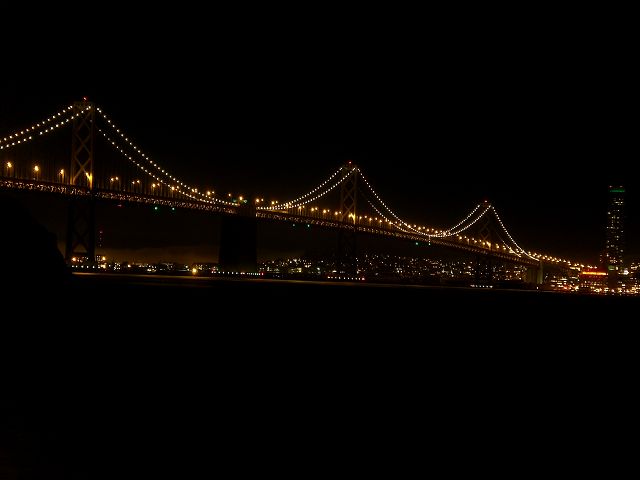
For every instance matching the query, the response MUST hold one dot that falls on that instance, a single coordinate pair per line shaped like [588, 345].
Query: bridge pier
[81, 230]
[535, 275]
[239, 243]
[347, 253]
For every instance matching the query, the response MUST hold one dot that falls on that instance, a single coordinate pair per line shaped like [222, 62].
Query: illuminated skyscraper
[615, 231]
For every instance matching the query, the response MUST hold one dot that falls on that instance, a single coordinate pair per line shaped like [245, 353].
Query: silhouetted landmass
[126, 377]
[27, 249]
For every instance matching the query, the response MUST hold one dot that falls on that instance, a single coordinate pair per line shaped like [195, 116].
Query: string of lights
[386, 207]
[285, 206]
[442, 234]
[155, 177]
[35, 130]
[453, 231]
[520, 249]
[484, 212]
[392, 223]
[465, 219]
[15, 138]
[177, 182]
[423, 233]
[279, 205]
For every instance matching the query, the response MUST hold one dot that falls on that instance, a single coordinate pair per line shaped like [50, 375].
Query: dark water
[140, 377]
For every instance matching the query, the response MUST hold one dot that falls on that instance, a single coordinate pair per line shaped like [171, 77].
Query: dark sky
[540, 128]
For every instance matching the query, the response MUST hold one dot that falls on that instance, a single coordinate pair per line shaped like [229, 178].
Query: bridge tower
[238, 250]
[347, 259]
[485, 265]
[81, 217]
[489, 230]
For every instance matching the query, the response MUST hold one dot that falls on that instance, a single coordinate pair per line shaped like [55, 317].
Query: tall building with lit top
[615, 231]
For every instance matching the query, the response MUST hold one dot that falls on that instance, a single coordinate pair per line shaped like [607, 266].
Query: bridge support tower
[535, 275]
[81, 238]
[239, 241]
[347, 237]
[484, 265]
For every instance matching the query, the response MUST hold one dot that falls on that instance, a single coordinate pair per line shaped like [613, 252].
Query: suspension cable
[392, 223]
[298, 203]
[457, 232]
[158, 179]
[465, 219]
[200, 196]
[280, 205]
[39, 129]
[509, 235]
[15, 136]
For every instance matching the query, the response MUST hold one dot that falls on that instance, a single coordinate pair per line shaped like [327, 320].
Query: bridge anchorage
[105, 165]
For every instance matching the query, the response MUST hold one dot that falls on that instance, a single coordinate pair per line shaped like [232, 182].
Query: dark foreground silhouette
[27, 249]
[107, 377]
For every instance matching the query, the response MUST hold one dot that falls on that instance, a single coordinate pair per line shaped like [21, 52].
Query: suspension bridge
[345, 201]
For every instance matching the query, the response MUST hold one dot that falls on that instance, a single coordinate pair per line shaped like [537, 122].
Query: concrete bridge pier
[81, 231]
[239, 241]
[535, 275]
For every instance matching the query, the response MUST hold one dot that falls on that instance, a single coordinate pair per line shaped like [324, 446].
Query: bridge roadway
[363, 226]
[370, 228]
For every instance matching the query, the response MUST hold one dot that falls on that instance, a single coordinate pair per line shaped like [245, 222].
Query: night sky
[540, 130]
[534, 110]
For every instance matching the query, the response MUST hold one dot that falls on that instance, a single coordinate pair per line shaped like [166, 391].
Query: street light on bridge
[61, 175]
[36, 172]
